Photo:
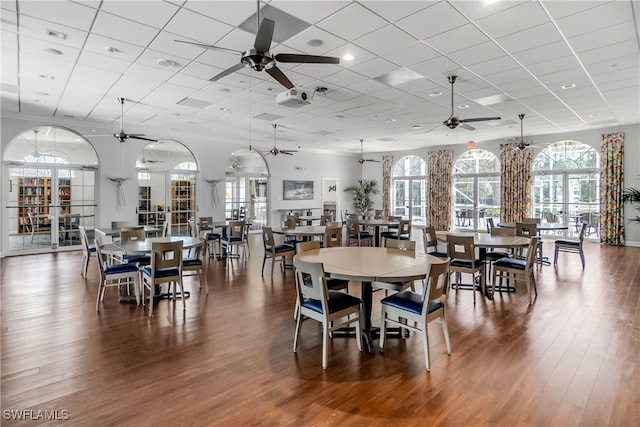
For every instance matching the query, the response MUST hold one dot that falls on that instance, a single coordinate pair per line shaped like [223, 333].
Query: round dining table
[367, 265]
[301, 230]
[376, 223]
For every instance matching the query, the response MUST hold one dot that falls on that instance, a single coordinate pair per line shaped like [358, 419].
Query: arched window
[246, 182]
[166, 179]
[476, 188]
[52, 177]
[566, 186]
[409, 184]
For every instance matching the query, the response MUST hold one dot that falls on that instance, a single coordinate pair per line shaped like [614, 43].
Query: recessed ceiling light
[46, 76]
[167, 63]
[340, 116]
[568, 86]
[348, 57]
[71, 116]
[416, 127]
[594, 115]
[42, 93]
[224, 109]
[315, 42]
[434, 94]
[53, 51]
[111, 49]
[42, 101]
[56, 34]
[391, 120]
[463, 106]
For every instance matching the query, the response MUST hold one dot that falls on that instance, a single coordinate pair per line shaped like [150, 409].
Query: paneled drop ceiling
[568, 65]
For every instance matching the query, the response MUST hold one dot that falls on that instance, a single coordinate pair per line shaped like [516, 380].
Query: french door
[409, 199]
[167, 197]
[476, 198]
[46, 206]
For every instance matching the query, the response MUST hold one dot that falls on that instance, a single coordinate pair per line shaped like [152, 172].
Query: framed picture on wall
[297, 190]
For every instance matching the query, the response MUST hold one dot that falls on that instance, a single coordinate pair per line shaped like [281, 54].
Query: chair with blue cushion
[518, 269]
[402, 233]
[462, 252]
[193, 265]
[573, 246]
[86, 250]
[333, 309]
[166, 267]
[332, 283]
[414, 311]
[430, 241]
[404, 245]
[134, 233]
[357, 235]
[115, 275]
[234, 238]
[273, 251]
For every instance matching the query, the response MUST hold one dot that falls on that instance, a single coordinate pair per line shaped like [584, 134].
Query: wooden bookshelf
[182, 202]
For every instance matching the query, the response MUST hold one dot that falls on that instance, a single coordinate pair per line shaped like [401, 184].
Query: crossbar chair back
[273, 251]
[166, 267]
[462, 252]
[572, 246]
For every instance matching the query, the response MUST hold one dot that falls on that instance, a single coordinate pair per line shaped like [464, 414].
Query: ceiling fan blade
[208, 46]
[264, 36]
[466, 126]
[306, 59]
[226, 72]
[479, 119]
[277, 74]
[372, 160]
[290, 152]
[142, 138]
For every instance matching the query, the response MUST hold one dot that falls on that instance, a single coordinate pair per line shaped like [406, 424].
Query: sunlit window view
[409, 189]
[567, 186]
[476, 187]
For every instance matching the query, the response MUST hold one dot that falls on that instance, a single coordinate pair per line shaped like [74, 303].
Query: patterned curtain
[611, 188]
[516, 179]
[439, 192]
[387, 163]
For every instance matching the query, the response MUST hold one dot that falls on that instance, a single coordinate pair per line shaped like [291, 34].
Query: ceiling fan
[362, 160]
[453, 122]
[275, 150]
[122, 136]
[259, 58]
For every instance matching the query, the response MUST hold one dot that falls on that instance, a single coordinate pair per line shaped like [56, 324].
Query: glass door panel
[488, 200]
[400, 198]
[418, 209]
[183, 203]
[464, 197]
[152, 199]
[584, 203]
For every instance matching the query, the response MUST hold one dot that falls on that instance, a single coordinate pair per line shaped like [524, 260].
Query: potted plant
[363, 194]
[632, 195]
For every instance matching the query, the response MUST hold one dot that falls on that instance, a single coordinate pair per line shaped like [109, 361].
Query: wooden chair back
[307, 246]
[407, 245]
[332, 236]
[503, 231]
[132, 234]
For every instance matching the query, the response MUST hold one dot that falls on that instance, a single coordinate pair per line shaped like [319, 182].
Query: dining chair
[405, 245]
[37, 226]
[332, 236]
[234, 238]
[69, 227]
[115, 275]
[166, 267]
[332, 283]
[273, 251]
[530, 229]
[324, 219]
[205, 226]
[333, 309]
[430, 241]
[87, 250]
[414, 311]
[193, 265]
[492, 255]
[572, 246]
[165, 229]
[116, 225]
[357, 235]
[403, 232]
[245, 238]
[518, 269]
[127, 234]
[462, 252]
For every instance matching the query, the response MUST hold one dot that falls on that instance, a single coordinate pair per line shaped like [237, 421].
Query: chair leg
[325, 344]
[425, 344]
[555, 257]
[383, 328]
[582, 258]
[445, 331]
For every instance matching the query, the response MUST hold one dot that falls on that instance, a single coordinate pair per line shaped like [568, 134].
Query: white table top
[301, 230]
[486, 240]
[378, 221]
[116, 231]
[144, 246]
[542, 226]
[369, 264]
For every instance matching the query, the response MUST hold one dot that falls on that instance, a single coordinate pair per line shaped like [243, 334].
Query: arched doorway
[409, 194]
[51, 173]
[566, 186]
[246, 188]
[166, 185]
[476, 189]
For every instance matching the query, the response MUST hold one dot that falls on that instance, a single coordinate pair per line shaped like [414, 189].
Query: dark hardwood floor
[572, 358]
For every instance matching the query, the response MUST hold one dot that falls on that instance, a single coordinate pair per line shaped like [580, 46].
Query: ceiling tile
[301, 42]
[510, 20]
[463, 37]
[478, 9]
[617, 12]
[341, 22]
[530, 38]
[385, 40]
[477, 54]
[122, 29]
[560, 9]
[543, 53]
[152, 13]
[197, 27]
[37, 29]
[605, 37]
[374, 68]
[308, 11]
[222, 11]
[125, 51]
[72, 15]
[440, 16]
[394, 10]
